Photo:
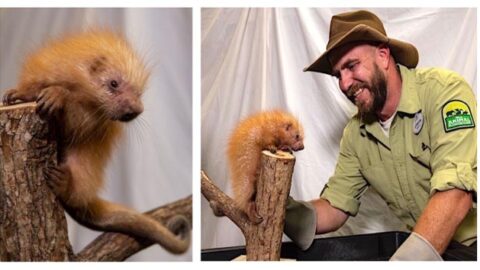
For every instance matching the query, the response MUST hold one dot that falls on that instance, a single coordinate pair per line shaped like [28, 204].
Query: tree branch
[263, 240]
[222, 204]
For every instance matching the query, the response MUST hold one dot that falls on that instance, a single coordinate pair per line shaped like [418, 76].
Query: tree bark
[263, 240]
[32, 222]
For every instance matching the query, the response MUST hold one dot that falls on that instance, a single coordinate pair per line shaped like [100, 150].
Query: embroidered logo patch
[456, 115]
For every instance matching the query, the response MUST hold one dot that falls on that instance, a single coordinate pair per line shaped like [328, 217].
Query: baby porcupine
[270, 130]
[88, 84]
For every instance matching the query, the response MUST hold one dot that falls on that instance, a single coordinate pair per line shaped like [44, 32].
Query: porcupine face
[120, 99]
[117, 75]
[125, 103]
[291, 137]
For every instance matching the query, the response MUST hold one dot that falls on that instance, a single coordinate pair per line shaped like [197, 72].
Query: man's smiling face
[359, 77]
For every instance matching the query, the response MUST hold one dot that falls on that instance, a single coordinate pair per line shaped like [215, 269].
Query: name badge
[417, 123]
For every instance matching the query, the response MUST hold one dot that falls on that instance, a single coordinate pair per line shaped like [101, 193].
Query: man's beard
[378, 91]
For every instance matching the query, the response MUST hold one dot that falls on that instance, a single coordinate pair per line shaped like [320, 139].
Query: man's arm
[329, 218]
[442, 216]
[452, 161]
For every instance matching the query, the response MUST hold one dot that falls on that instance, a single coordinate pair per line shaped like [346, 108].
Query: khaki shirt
[432, 146]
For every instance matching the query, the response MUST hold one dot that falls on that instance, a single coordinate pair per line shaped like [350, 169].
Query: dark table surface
[362, 247]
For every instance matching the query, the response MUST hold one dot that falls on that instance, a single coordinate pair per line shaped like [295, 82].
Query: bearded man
[414, 140]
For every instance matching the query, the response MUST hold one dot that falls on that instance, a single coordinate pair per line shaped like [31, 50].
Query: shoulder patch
[456, 115]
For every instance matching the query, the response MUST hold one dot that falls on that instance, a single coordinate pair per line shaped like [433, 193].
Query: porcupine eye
[113, 84]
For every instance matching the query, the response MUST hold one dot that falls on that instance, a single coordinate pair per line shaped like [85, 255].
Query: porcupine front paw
[179, 225]
[13, 96]
[217, 211]
[272, 148]
[58, 179]
[51, 101]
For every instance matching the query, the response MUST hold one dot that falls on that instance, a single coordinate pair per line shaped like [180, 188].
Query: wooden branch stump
[263, 240]
[32, 222]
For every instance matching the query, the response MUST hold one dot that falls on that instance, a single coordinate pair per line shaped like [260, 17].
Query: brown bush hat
[358, 26]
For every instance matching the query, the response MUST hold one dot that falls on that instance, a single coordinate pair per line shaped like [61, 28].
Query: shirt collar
[409, 102]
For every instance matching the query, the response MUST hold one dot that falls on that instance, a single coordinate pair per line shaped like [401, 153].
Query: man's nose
[345, 82]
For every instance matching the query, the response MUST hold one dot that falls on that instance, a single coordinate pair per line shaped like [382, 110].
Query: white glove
[416, 248]
[300, 222]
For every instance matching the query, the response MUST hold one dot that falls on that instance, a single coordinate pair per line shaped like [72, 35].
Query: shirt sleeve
[453, 136]
[345, 187]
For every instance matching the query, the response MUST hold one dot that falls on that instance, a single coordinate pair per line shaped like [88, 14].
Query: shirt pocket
[422, 156]
[419, 148]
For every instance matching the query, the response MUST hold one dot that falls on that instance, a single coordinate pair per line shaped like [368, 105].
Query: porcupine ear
[98, 64]
[288, 126]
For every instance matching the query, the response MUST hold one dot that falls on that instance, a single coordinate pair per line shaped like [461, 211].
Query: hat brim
[403, 52]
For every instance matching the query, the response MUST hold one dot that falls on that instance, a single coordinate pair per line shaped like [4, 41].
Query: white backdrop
[152, 165]
[252, 59]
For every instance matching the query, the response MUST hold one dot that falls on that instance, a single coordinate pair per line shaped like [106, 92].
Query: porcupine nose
[129, 116]
[298, 146]
[131, 111]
